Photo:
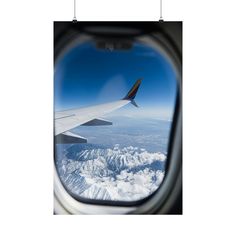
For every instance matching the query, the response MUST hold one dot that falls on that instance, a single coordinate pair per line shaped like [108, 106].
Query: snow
[118, 174]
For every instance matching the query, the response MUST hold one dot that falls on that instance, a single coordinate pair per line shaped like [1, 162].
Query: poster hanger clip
[161, 18]
[74, 18]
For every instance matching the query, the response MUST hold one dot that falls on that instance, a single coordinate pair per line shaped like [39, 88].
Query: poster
[117, 100]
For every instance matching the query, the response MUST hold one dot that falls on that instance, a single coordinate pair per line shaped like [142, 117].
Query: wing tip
[133, 91]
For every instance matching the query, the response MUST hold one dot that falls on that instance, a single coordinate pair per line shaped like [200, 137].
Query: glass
[125, 161]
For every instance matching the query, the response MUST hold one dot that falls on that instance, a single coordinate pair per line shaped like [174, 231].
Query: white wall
[26, 71]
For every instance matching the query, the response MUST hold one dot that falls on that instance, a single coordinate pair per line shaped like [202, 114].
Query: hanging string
[74, 18]
[161, 18]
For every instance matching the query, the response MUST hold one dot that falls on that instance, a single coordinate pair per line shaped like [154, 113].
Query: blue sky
[86, 76]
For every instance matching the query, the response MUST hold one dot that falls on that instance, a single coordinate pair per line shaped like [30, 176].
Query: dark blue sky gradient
[86, 76]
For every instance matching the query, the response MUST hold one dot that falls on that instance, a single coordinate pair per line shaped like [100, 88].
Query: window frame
[162, 199]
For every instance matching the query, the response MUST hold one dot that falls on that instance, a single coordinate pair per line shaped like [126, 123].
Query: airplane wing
[88, 116]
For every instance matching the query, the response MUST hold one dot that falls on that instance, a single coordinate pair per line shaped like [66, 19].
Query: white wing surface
[69, 119]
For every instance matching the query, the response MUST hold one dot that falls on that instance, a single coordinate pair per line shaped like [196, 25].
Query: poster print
[116, 92]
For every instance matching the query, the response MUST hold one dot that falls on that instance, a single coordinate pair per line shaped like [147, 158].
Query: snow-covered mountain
[118, 173]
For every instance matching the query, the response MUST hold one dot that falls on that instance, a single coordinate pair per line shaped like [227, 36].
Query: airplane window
[119, 106]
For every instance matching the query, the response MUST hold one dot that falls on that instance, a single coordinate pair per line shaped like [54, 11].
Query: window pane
[124, 161]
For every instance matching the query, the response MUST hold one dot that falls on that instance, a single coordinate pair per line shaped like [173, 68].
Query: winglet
[132, 92]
